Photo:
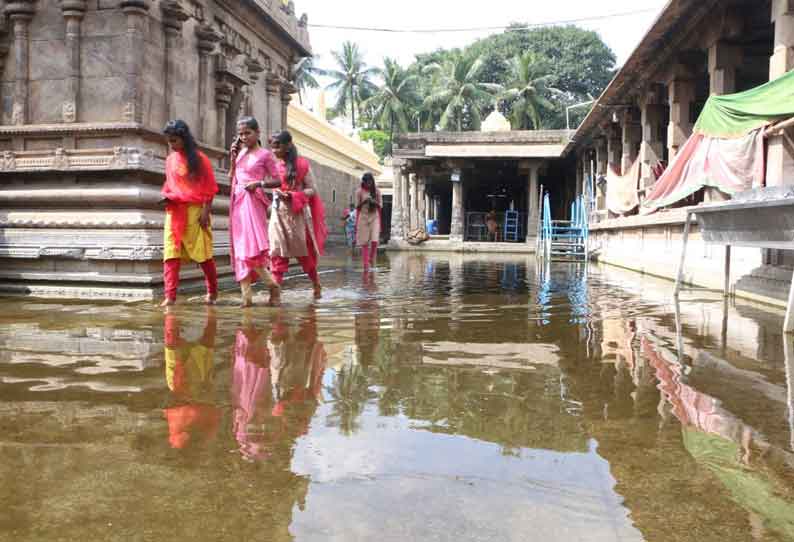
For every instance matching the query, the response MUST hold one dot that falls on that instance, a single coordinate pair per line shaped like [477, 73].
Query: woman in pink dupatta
[254, 170]
[369, 204]
[297, 225]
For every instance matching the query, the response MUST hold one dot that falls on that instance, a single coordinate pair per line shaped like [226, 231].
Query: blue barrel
[432, 227]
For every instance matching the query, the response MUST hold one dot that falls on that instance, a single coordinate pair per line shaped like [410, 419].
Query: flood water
[445, 398]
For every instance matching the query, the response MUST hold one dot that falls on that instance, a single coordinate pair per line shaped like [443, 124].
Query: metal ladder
[511, 226]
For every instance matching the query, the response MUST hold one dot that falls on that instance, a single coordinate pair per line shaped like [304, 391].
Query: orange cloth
[183, 189]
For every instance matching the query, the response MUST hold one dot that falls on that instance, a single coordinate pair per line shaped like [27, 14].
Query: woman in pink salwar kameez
[254, 170]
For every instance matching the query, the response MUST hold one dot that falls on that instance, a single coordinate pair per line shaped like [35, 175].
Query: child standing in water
[188, 192]
[254, 169]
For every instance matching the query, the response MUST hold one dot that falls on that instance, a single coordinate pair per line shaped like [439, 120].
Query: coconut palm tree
[303, 74]
[351, 79]
[458, 91]
[392, 104]
[526, 95]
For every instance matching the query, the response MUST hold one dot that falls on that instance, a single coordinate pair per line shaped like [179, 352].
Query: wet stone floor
[441, 398]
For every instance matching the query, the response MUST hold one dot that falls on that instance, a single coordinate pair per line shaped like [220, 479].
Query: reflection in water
[193, 417]
[738, 455]
[442, 397]
[277, 382]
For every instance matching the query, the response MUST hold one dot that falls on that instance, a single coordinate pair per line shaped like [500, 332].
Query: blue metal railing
[565, 239]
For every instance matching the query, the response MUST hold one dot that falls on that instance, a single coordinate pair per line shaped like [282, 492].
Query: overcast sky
[621, 33]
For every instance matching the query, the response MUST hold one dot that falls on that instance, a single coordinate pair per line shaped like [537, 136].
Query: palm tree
[392, 103]
[527, 91]
[303, 74]
[459, 92]
[351, 79]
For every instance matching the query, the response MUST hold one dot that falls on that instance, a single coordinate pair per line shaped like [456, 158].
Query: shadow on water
[441, 397]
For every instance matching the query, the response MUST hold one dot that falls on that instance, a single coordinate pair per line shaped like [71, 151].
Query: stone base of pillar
[780, 164]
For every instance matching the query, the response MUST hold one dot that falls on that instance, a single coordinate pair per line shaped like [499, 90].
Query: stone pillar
[287, 90]
[406, 198]
[255, 69]
[458, 212]
[224, 92]
[207, 40]
[20, 14]
[631, 135]
[723, 61]
[651, 149]
[421, 200]
[397, 212]
[429, 211]
[780, 163]
[273, 88]
[73, 12]
[136, 12]
[601, 172]
[681, 95]
[173, 18]
[614, 147]
[532, 170]
[414, 200]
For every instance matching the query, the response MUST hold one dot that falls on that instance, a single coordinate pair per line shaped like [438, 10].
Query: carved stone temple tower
[86, 87]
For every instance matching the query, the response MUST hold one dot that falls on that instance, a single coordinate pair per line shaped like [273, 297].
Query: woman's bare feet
[275, 296]
[318, 290]
[210, 299]
[167, 303]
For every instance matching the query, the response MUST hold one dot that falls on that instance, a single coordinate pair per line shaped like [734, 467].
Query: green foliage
[458, 94]
[380, 140]
[391, 106]
[532, 75]
[303, 73]
[351, 80]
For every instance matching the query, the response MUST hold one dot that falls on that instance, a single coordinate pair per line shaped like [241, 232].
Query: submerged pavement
[442, 397]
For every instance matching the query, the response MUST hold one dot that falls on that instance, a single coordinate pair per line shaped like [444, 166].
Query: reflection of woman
[254, 169]
[297, 225]
[277, 381]
[189, 374]
[369, 203]
[188, 190]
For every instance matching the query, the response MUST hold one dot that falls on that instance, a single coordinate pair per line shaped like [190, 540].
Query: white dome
[496, 122]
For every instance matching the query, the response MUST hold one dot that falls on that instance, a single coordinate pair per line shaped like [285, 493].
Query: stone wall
[652, 245]
[337, 189]
[86, 86]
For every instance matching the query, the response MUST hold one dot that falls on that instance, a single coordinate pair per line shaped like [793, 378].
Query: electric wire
[508, 28]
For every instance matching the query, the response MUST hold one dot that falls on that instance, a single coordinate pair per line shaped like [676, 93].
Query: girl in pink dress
[254, 169]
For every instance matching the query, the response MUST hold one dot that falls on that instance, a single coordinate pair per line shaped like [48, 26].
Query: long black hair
[180, 129]
[368, 183]
[291, 156]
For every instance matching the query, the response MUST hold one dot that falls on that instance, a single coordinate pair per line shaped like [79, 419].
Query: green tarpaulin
[735, 115]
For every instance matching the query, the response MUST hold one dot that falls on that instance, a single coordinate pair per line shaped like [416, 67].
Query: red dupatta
[299, 200]
[181, 189]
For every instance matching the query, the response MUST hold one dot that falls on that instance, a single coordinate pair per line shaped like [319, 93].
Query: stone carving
[120, 157]
[129, 112]
[60, 160]
[9, 161]
[303, 22]
[69, 112]
[18, 114]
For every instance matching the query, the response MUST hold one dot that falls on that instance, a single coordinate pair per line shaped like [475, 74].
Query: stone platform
[445, 245]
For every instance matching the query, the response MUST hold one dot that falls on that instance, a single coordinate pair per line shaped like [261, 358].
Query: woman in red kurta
[297, 225]
[188, 191]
